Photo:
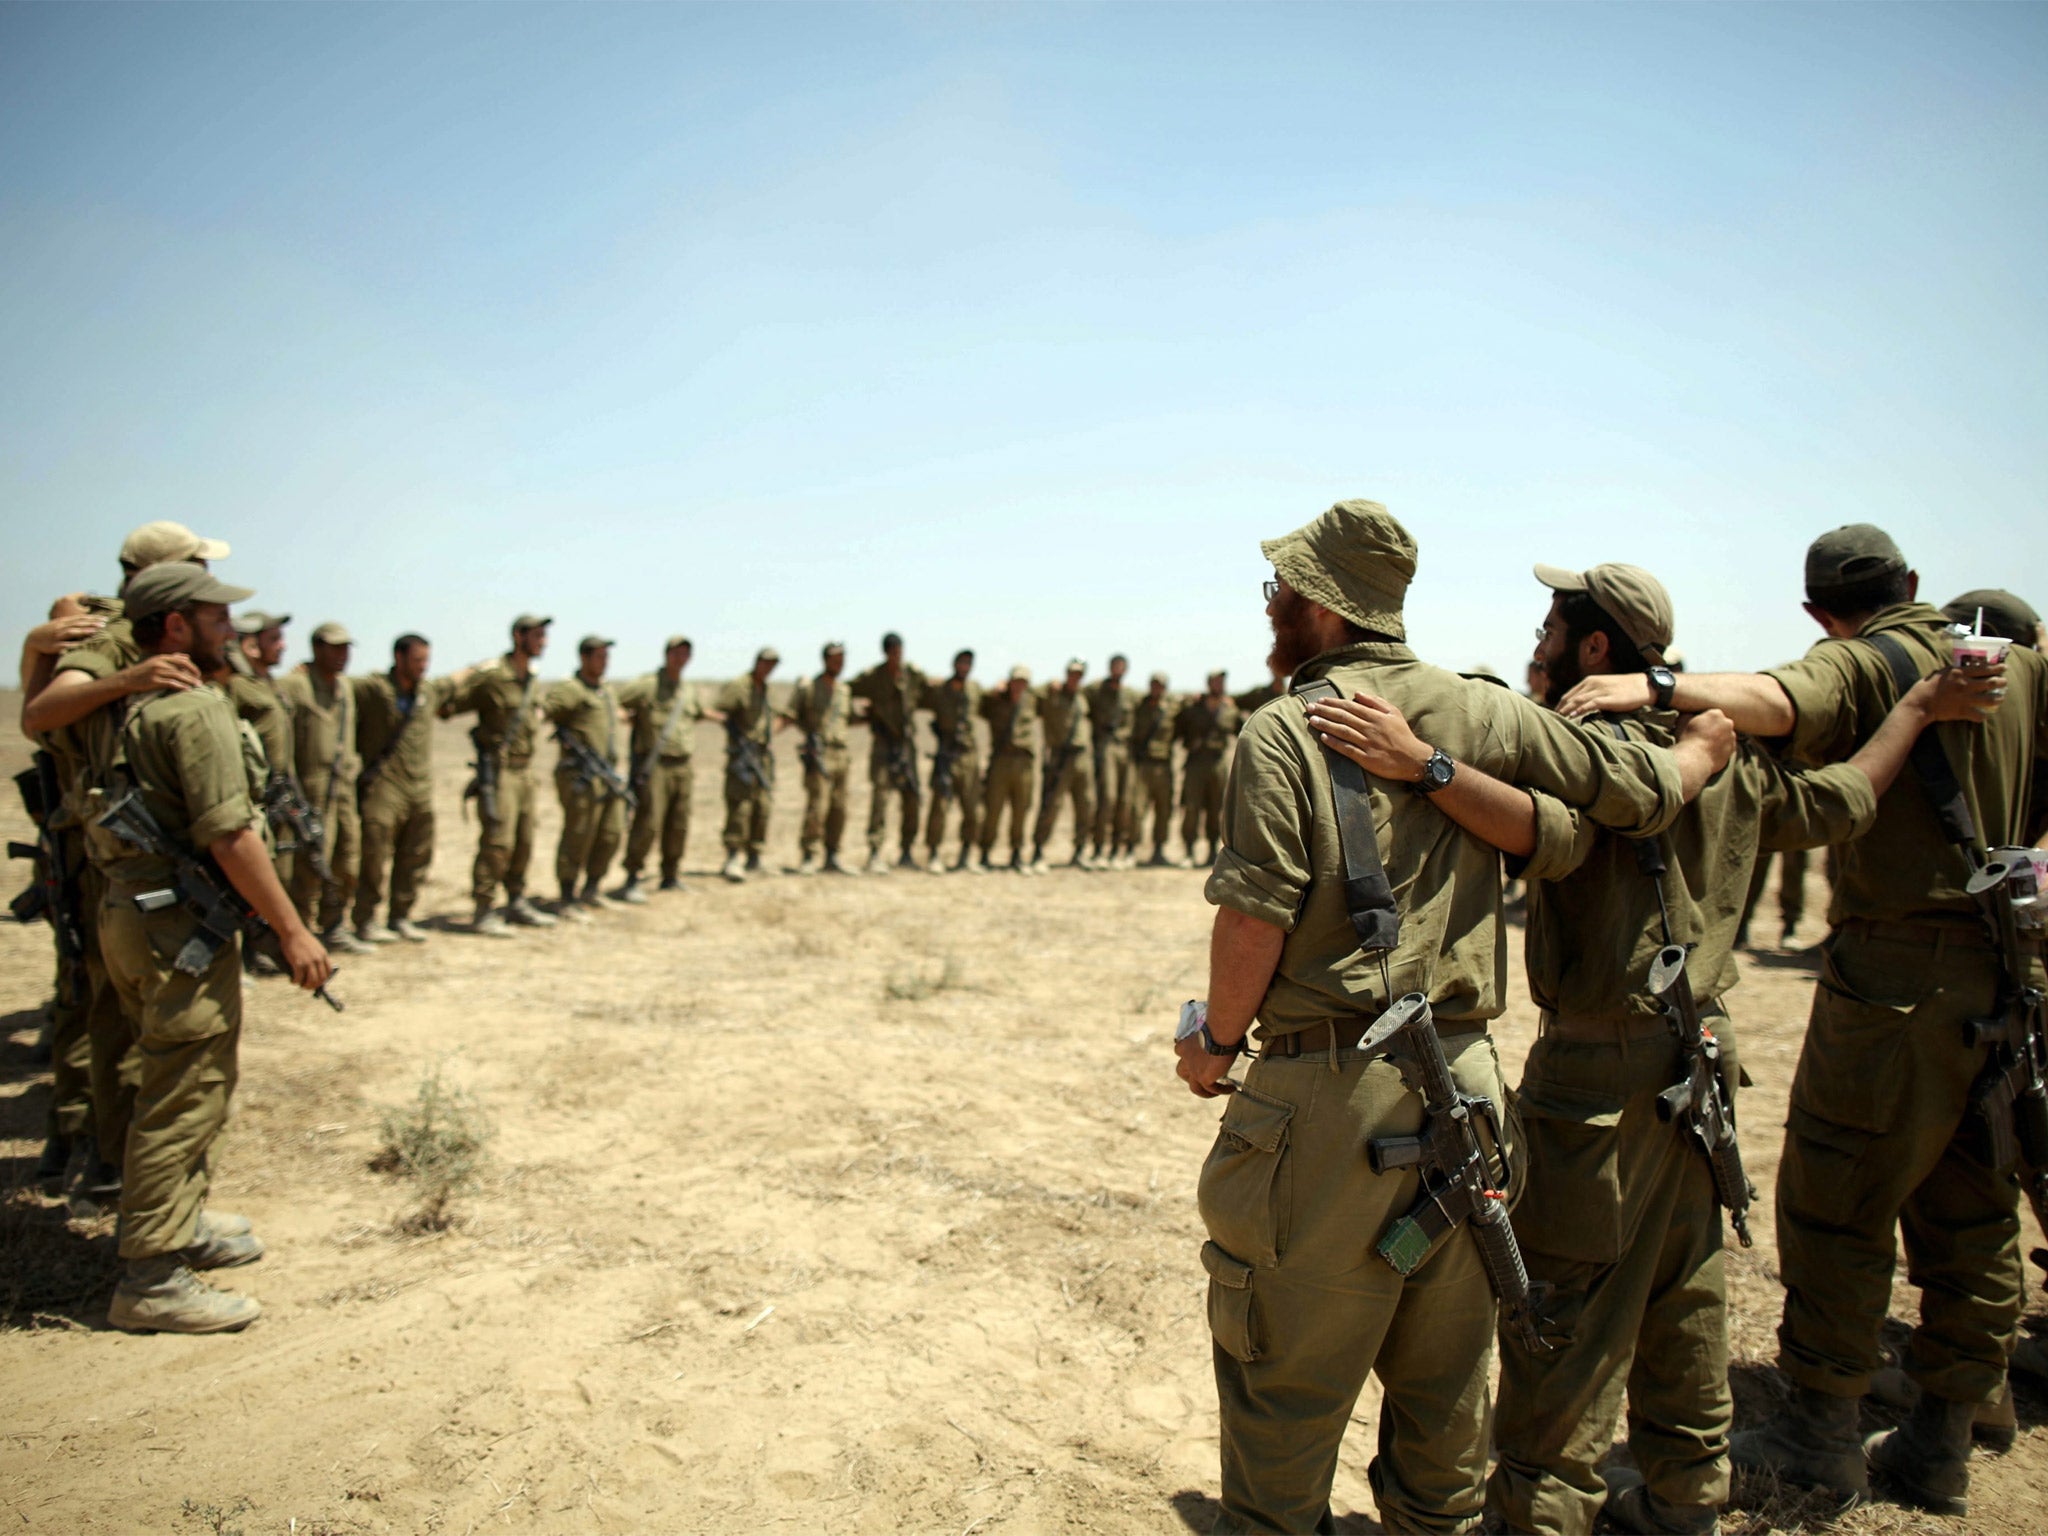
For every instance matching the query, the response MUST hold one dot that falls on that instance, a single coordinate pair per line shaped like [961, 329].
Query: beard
[1561, 676]
[1294, 642]
[210, 658]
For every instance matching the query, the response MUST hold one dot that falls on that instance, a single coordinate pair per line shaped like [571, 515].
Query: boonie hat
[594, 643]
[333, 633]
[1850, 554]
[767, 653]
[1356, 560]
[156, 543]
[675, 640]
[2007, 616]
[253, 621]
[176, 584]
[1627, 594]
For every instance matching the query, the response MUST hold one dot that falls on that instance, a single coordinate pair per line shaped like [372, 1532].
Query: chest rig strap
[1368, 897]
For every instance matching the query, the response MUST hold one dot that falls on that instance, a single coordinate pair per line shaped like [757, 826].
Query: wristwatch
[1194, 1020]
[1663, 683]
[1436, 773]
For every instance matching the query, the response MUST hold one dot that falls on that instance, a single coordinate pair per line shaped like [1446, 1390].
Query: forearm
[1243, 954]
[68, 698]
[1881, 757]
[1757, 704]
[37, 667]
[246, 862]
[1695, 766]
[1492, 811]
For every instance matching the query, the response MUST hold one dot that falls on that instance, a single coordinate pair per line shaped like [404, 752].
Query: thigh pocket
[1242, 1194]
[1230, 1304]
[1571, 1145]
[1852, 1071]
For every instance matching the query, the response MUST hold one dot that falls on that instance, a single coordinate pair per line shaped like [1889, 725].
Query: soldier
[253, 690]
[323, 706]
[749, 765]
[501, 695]
[584, 710]
[1109, 727]
[891, 690]
[822, 708]
[1069, 770]
[1882, 1136]
[395, 734]
[956, 763]
[664, 708]
[1204, 727]
[1253, 699]
[1792, 867]
[180, 750]
[2001, 614]
[1300, 1309]
[1152, 754]
[1012, 717]
[1621, 1218]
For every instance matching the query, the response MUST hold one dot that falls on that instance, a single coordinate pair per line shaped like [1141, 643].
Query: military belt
[1962, 933]
[1556, 1026]
[1336, 1035]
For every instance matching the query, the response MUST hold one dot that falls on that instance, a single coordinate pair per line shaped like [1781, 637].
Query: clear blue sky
[1017, 327]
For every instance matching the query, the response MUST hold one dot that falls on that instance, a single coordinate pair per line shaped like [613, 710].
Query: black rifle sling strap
[1368, 897]
[1936, 773]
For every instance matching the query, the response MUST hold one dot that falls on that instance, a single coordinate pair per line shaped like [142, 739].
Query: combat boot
[1813, 1443]
[809, 866]
[832, 866]
[1159, 860]
[1017, 864]
[1994, 1425]
[408, 930]
[908, 861]
[1926, 1460]
[735, 868]
[488, 925]
[340, 941]
[596, 901]
[670, 882]
[964, 865]
[375, 933]
[1637, 1510]
[631, 892]
[225, 1223]
[876, 864]
[221, 1246]
[523, 912]
[161, 1294]
[570, 910]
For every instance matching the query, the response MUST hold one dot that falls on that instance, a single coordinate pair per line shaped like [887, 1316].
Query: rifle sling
[1368, 896]
[1929, 757]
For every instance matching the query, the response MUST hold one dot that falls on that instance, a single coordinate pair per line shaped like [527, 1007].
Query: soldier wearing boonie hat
[1152, 764]
[1012, 716]
[749, 718]
[502, 695]
[1297, 1323]
[1068, 771]
[586, 707]
[664, 708]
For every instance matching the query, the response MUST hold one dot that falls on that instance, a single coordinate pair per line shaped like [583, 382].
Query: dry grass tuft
[916, 983]
[440, 1141]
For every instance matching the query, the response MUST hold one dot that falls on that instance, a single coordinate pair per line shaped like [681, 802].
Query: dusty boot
[1636, 1509]
[161, 1294]
[670, 881]
[220, 1246]
[735, 868]
[570, 910]
[340, 941]
[832, 866]
[409, 930]
[964, 865]
[375, 933]
[523, 912]
[1926, 1460]
[631, 893]
[908, 861]
[1813, 1443]
[225, 1223]
[488, 925]
[876, 864]
[809, 866]
[1994, 1425]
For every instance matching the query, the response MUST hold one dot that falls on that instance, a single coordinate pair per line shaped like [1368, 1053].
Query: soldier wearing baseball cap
[2001, 613]
[252, 685]
[584, 709]
[956, 764]
[664, 708]
[1069, 769]
[821, 707]
[325, 708]
[1152, 760]
[1012, 716]
[502, 695]
[750, 723]
[1206, 728]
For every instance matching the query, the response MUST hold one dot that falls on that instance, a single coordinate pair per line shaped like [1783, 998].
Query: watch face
[1193, 1015]
[1438, 771]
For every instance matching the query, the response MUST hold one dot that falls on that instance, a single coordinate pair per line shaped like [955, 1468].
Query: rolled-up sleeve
[208, 751]
[1821, 687]
[1626, 786]
[1262, 869]
[1564, 839]
[1814, 807]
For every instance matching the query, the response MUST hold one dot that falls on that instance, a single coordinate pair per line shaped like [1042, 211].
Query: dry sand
[850, 1205]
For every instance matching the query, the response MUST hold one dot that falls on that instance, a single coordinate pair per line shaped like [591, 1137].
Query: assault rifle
[640, 770]
[1699, 1096]
[483, 787]
[812, 753]
[52, 895]
[286, 805]
[2010, 1095]
[1057, 761]
[1463, 1173]
[949, 751]
[745, 756]
[902, 763]
[199, 887]
[591, 770]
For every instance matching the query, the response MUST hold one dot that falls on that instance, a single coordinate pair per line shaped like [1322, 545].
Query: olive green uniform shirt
[381, 721]
[589, 714]
[1594, 927]
[1152, 729]
[323, 733]
[1012, 727]
[664, 715]
[257, 700]
[1065, 715]
[822, 706]
[1109, 712]
[953, 706]
[1282, 861]
[747, 711]
[892, 701]
[188, 756]
[1904, 869]
[1205, 725]
[503, 705]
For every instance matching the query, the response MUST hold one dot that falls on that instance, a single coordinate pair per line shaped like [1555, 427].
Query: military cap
[2007, 616]
[1627, 594]
[1020, 674]
[832, 645]
[594, 643]
[1077, 665]
[766, 653]
[891, 640]
[675, 640]
[1851, 554]
[176, 584]
[334, 633]
[527, 621]
[253, 621]
[1356, 560]
[1160, 678]
[156, 543]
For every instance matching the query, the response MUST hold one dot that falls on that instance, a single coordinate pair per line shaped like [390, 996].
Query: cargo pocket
[1242, 1193]
[1571, 1145]
[1230, 1304]
[1852, 1071]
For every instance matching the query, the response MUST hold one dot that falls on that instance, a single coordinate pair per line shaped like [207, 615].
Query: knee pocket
[1231, 1314]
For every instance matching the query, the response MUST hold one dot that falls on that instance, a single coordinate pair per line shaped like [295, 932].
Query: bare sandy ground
[849, 1205]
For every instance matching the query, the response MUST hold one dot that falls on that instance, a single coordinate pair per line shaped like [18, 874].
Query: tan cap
[2007, 616]
[1356, 560]
[253, 621]
[1020, 674]
[156, 543]
[1627, 594]
[176, 584]
[1160, 678]
[594, 643]
[766, 653]
[530, 621]
[333, 632]
[1853, 553]
[675, 640]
